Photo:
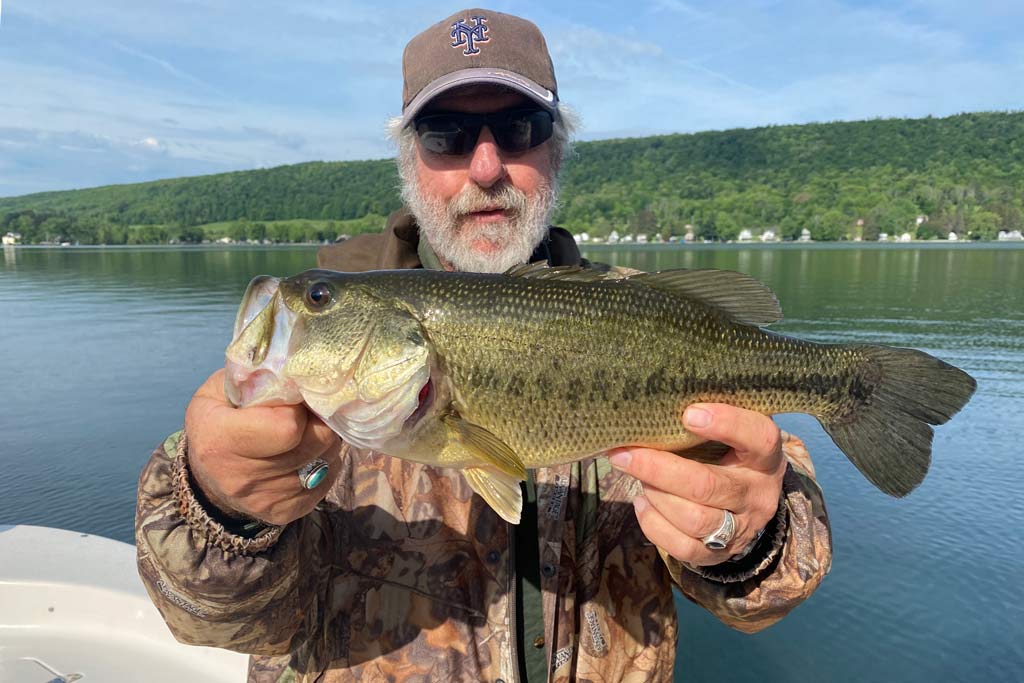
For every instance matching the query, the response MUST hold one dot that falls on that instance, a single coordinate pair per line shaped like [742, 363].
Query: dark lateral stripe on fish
[663, 382]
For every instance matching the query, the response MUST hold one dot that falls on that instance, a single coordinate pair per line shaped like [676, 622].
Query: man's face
[487, 210]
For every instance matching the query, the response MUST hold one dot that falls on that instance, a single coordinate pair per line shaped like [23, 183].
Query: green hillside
[964, 173]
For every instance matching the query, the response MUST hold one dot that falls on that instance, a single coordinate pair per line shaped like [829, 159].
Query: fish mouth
[264, 331]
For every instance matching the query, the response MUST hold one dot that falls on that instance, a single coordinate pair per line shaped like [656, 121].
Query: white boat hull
[73, 603]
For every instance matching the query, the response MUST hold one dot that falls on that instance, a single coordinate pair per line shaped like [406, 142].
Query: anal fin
[501, 491]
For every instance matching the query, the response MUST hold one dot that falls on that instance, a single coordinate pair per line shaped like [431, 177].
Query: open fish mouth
[263, 334]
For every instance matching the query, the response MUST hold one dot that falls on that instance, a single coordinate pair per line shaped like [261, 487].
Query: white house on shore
[745, 236]
[805, 235]
[11, 238]
[1010, 236]
[769, 236]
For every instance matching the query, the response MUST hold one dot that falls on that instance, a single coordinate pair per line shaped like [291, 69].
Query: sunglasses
[456, 133]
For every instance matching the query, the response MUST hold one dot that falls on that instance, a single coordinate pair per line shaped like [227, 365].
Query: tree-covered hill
[964, 174]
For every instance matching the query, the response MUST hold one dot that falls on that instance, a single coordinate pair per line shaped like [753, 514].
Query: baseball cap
[473, 47]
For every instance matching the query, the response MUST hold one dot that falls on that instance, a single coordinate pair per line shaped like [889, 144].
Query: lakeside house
[805, 236]
[1010, 236]
[11, 238]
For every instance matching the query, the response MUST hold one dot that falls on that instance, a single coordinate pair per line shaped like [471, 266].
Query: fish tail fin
[888, 434]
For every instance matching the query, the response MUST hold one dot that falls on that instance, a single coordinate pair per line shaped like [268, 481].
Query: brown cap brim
[480, 76]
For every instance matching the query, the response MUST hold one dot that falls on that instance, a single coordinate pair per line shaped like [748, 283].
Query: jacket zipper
[513, 621]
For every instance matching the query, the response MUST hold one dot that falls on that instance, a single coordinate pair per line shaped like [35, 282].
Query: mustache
[503, 195]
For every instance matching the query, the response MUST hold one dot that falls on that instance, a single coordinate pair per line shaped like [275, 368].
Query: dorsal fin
[740, 297]
[542, 271]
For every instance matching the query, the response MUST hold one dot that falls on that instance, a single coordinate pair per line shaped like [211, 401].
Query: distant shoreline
[836, 244]
[656, 246]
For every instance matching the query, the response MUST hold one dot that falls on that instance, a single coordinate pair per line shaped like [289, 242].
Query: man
[395, 571]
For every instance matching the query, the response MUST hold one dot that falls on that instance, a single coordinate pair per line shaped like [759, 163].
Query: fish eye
[318, 296]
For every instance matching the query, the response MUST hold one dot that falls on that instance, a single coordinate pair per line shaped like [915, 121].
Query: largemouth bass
[541, 366]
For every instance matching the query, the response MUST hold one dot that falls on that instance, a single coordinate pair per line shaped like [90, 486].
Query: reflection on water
[103, 347]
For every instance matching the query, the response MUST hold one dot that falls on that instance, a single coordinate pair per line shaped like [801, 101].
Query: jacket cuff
[242, 536]
[760, 557]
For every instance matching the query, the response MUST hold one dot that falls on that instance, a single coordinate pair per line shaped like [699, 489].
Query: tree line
[841, 180]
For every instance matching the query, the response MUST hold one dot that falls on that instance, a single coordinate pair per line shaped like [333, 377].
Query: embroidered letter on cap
[464, 34]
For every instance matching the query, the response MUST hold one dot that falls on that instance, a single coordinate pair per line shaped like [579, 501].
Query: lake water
[102, 348]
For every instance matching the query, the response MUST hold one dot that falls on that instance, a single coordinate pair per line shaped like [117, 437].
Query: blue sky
[94, 92]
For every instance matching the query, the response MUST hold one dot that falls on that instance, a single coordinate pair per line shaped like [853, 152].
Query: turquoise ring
[313, 473]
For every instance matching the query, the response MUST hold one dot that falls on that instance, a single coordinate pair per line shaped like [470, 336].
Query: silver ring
[313, 473]
[720, 537]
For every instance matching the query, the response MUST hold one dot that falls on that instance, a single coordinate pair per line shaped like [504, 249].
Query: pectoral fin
[500, 490]
[486, 447]
[495, 471]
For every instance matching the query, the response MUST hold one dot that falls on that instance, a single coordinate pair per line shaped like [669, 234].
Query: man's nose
[486, 165]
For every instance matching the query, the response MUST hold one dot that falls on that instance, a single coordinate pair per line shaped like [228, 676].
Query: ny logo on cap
[464, 34]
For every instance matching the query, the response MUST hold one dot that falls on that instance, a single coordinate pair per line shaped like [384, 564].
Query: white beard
[510, 242]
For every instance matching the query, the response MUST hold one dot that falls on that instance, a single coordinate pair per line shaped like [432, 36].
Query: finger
[755, 438]
[257, 432]
[277, 494]
[709, 485]
[693, 519]
[676, 543]
[292, 500]
[318, 441]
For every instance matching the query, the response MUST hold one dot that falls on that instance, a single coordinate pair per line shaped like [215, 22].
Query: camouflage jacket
[403, 574]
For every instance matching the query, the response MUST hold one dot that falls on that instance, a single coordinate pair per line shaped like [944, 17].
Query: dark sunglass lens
[523, 130]
[443, 134]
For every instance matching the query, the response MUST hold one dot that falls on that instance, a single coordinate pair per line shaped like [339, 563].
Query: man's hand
[245, 460]
[683, 500]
